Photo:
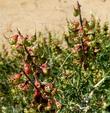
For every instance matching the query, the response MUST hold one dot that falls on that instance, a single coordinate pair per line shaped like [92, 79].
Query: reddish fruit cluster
[43, 92]
[16, 39]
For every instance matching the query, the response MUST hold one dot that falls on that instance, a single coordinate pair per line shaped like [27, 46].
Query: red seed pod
[44, 68]
[14, 39]
[30, 50]
[81, 30]
[37, 93]
[20, 39]
[27, 68]
[37, 84]
[17, 76]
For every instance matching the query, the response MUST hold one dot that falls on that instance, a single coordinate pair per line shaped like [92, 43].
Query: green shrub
[43, 75]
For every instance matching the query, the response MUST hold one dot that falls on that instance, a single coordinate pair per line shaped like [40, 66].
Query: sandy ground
[40, 14]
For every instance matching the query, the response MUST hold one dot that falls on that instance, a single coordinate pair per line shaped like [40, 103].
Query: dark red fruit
[37, 84]
[36, 93]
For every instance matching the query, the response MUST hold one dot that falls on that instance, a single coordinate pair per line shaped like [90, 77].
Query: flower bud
[17, 76]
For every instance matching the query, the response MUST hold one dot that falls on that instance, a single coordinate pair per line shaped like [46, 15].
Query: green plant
[43, 75]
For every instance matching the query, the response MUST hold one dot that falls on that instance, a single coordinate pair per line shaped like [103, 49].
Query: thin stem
[35, 67]
[29, 79]
[97, 85]
[31, 57]
[66, 60]
[19, 32]
[90, 95]
[81, 37]
[80, 16]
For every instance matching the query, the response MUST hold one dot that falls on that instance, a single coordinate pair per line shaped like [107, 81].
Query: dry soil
[40, 14]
